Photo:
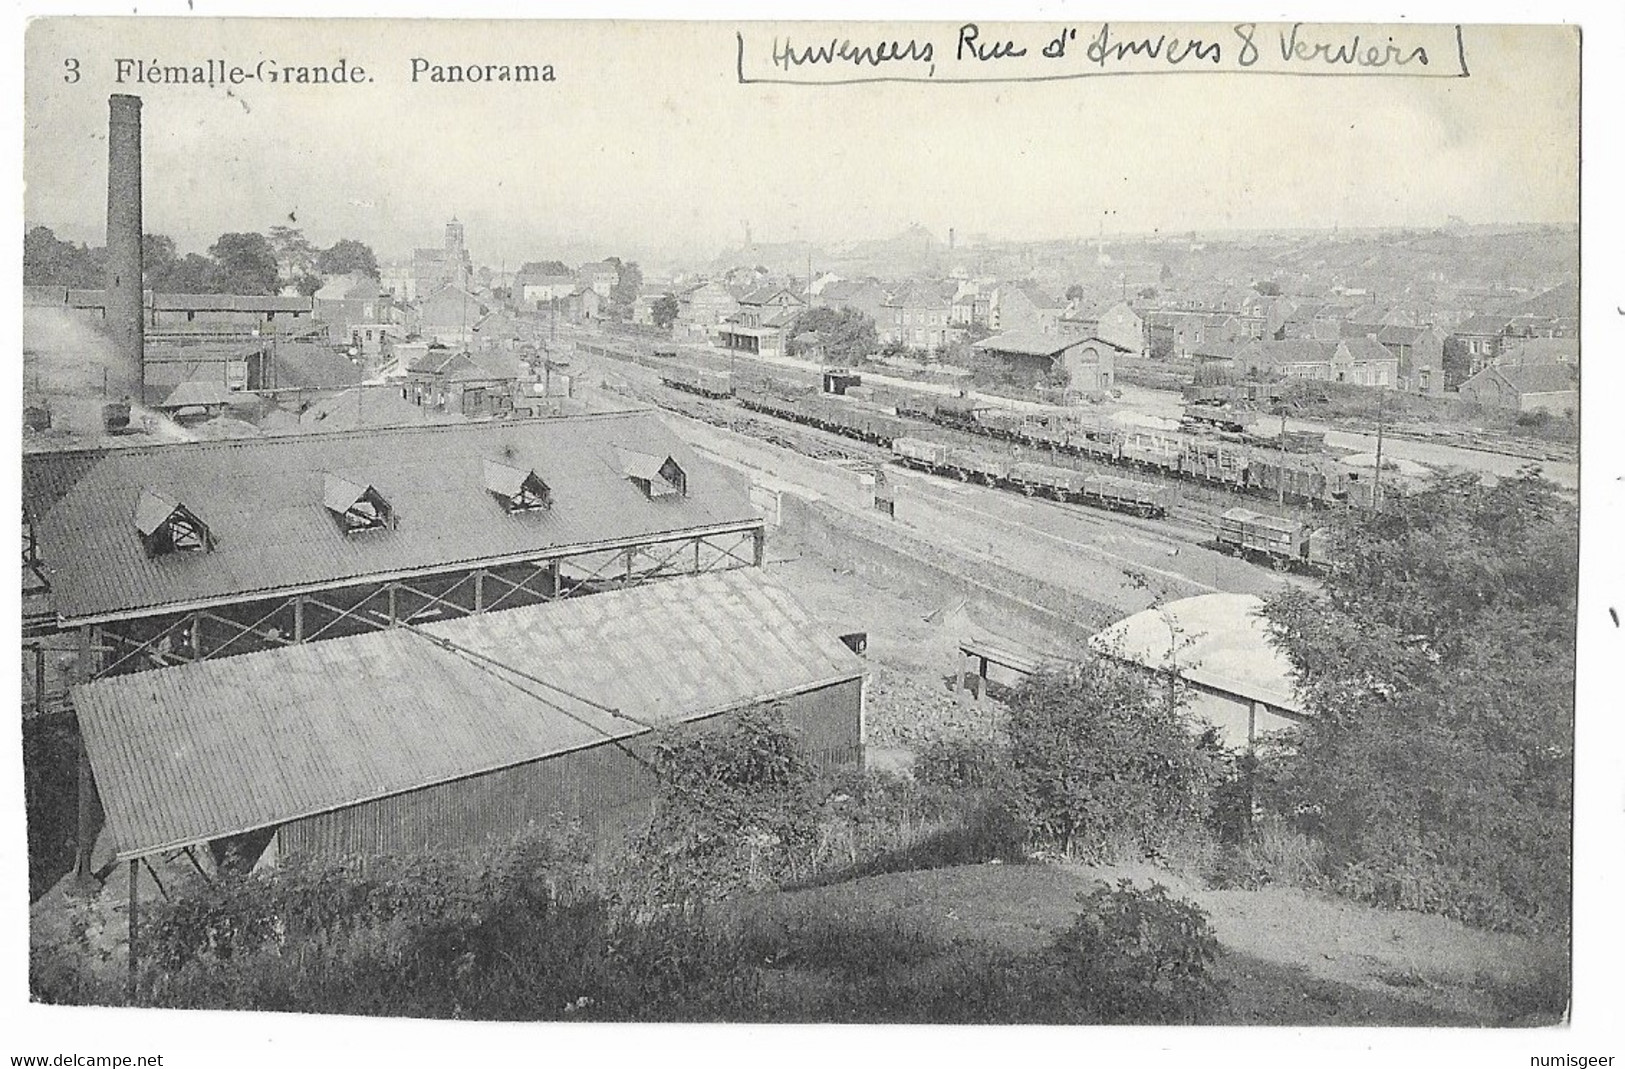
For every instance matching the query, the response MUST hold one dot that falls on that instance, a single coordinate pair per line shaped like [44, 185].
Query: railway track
[1194, 520]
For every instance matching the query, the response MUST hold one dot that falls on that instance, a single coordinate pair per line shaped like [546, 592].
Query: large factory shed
[1240, 682]
[436, 737]
[169, 554]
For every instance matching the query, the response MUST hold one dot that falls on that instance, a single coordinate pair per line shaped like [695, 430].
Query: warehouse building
[447, 735]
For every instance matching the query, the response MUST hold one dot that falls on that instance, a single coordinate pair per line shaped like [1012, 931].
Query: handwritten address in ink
[975, 52]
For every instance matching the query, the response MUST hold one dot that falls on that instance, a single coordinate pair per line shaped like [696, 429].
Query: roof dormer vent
[356, 507]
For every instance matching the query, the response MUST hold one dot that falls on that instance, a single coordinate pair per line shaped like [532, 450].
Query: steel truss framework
[122, 647]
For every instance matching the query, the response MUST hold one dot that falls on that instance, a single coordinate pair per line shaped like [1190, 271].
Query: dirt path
[1289, 957]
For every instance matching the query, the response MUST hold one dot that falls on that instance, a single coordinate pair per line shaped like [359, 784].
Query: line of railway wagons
[1281, 541]
[1035, 480]
[1264, 472]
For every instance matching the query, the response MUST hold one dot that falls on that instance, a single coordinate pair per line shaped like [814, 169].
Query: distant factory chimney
[124, 304]
[950, 239]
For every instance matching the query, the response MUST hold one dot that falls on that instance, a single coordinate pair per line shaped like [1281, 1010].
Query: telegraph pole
[1282, 443]
[1376, 482]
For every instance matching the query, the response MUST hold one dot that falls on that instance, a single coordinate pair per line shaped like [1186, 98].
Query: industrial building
[447, 735]
[168, 554]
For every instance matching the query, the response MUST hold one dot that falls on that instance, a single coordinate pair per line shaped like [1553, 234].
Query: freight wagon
[1045, 480]
[1215, 462]
[1287, 543]
[1161, 450]
[702, 381]
[1296, 479]
[1127, 495]
[920, 454]
[974, 465]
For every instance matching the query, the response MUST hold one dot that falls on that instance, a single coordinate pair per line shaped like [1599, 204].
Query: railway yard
[1103, 562]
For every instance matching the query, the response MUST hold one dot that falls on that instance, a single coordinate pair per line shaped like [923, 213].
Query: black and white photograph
[750, 520]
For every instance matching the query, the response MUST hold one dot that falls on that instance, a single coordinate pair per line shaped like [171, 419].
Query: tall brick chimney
[125, 310]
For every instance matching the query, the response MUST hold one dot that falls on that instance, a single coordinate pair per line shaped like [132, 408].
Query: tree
[347, 256]
[1102, 758]
[158, 261]
[295, 255]
[665, 311]
[628, 285]
[847, 334]
[1438, 670]
[48, 261]
[243, 263]
[192, 273]
[1267, 288]
[1074, 292]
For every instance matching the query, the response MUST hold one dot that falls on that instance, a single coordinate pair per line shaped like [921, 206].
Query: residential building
[764, 320]
[348, 301]
[537, 285]
[701, 309]
[448, 316]
[1358, 361]
[1025, 307]
[1476, 343]
[861, 295]
[600, 277]
[917, 316]
[1556, 350]
[1420, 352]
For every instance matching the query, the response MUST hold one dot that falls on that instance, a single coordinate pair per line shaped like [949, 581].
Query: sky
[647, 145]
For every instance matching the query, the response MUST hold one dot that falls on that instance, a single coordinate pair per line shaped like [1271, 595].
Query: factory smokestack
[125, 311]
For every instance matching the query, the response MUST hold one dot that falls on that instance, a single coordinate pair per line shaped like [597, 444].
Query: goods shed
[436, 737]
[1240, 682]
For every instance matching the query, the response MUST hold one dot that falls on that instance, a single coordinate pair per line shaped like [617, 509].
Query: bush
[51, 790]
[960, 764]
[1101, 758]
[1437, 664]
[736, 811]
[1141, 956]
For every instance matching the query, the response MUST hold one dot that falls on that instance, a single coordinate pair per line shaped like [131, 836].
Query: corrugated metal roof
[262, 500]
[218, 747]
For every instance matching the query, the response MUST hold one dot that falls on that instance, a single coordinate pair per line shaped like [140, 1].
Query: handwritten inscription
[978, 52]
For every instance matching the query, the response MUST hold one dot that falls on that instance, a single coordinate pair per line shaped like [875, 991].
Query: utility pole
[1376, 482]
[1282, 443]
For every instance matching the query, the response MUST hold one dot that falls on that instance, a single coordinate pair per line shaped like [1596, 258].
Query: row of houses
[927, 316]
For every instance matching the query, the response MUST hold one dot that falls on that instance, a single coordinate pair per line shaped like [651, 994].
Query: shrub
[1437, 665]
[960, 764]
[51, 789]
[1141, 956]
[1101, 755]
[735, 811]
